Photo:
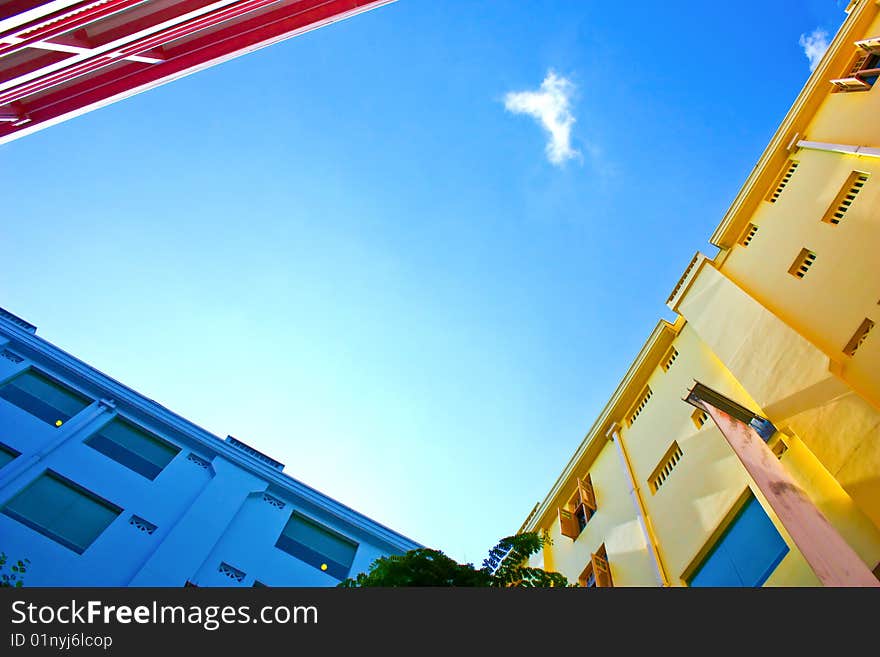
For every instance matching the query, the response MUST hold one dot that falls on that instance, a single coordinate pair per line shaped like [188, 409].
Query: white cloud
[815, 44]
[551, 107]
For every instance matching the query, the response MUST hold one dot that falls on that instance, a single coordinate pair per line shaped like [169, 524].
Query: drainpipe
[613, 434]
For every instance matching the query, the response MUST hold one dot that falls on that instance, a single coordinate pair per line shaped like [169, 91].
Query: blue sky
[345, 250]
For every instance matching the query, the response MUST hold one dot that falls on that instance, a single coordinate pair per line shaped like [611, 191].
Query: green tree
[506, 566]
[14, 578]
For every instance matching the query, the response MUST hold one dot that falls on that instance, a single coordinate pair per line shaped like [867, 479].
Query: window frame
[71, 391]
[311, 556]
[581, 504]
[48, 532]
[865, 63]
[11, 451]
[116, 451]
[597, 572]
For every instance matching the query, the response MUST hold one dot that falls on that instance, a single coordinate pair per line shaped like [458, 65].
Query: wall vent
[782, 181]
[253, 453]
[8, 355]
[748, 235]
[858, 338]
[142, 525]
[202, 463]
[667, 464]
[640, 406]
[846, 197]
[231, 572]
[669, 359]
[273, 501]
[802, 263]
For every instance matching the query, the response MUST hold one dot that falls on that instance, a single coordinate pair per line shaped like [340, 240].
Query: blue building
[100, 486]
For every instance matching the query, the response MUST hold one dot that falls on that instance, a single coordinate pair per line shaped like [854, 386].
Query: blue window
[7, 454]
[62, 510]
[137, 450]
[317, 546]
[746, 553]
[44, 398]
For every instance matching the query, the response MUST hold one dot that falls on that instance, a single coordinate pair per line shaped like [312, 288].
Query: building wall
[614, 524]
[212, 504]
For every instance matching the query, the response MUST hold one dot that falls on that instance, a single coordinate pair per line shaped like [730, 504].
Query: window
[669, 359]
[748, 235]
[846, 197]
[640, 406]
[137, 450]
[581, 506]
[597, 574]
[746, 554]
[858, 338]
[782, 181]
[63, 511]
[317, 545]
[667, 463]
[862, 72]
[7, 454]
[802, 263]
[44, 398]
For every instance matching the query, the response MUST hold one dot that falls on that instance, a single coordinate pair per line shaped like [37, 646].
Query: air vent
[802, 263]
[700, 417]
[200, 462]
[142, 525]
[253, 453]
[638, 408]
[858, 338]
[748, 234]
[846, 197]
[669, 359]
[782, 181]
[18, 321]
[667, 464]
[231, 572]
[273, 501]
[8, 355]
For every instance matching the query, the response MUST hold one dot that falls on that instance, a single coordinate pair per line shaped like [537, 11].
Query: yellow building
[778, 322]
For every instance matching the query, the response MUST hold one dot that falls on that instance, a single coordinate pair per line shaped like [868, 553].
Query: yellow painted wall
[769, 358]
[772, 342]
[615, 524]
[844, 434]
[849, 118]
[708, 478]
[842, 287]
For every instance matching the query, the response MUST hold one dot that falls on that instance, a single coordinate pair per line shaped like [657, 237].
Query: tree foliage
[14, 578]
[506, 566]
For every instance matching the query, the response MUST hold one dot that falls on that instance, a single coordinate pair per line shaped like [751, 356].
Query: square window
[134, 448]
[7, 454]
[62, 510]
[317, 545]
[52, 402]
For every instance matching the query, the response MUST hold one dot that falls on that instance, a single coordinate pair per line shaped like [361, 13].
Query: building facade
[62, 58]
[776, 481]
[100, 486]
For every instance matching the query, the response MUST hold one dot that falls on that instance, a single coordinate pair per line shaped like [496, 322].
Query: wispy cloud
[814, 44]
[550, 106]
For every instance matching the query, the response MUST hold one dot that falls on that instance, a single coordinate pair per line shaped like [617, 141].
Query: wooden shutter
[588, 497]
[568, 524]
[602, 571]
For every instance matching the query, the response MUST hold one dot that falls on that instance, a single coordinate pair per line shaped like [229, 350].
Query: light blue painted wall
[204, 516]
